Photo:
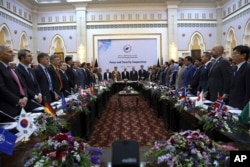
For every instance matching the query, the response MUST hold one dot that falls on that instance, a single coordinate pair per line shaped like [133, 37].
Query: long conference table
[82, 124]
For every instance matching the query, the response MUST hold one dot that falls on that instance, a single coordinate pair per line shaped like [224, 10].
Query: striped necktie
[14, 76]
[49, 79]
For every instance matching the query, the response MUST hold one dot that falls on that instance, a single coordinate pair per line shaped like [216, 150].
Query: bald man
[219, 75]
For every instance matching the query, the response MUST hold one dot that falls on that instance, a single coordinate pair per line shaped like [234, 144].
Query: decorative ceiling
[69, 2]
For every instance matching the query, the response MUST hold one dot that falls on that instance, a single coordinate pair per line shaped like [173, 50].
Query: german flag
[48, 109]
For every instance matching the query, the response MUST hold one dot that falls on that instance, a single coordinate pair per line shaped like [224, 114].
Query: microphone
[68, 92]
[8, 116]
[36, 102]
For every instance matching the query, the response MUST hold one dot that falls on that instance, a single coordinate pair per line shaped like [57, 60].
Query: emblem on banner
[127, 48]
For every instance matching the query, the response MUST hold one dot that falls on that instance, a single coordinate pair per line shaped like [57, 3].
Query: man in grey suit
[219, 76]
[133, 75]
[240, 90]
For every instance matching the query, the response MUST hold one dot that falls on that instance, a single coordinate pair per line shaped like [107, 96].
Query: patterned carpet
[127, 121]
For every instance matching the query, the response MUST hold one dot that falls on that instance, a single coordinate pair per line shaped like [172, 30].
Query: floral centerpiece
[185, 104]
[187, 148]
[49, 125]
[221, 120]
[63, 150]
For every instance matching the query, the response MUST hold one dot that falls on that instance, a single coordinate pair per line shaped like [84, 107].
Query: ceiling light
[79, 0]
[47, 1]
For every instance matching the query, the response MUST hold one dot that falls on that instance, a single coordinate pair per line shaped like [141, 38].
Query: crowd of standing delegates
[21, 86]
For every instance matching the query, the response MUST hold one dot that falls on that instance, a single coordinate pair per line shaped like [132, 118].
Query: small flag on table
[91, 89]
[7, 141]
[48, 109]
[25, 124]
[218, 104]
[184, 93]
[199, 101]
[244, 116]
[64, 103]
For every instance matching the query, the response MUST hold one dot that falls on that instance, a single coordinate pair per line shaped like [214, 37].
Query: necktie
[49, 79]
[30, 74]
[14, 76]
[215, 61]
[235, 70]
[59, 77]
[66, 75]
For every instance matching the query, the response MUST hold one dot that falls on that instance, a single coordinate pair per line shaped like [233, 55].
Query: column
[35, 50]
[172, 37]
[81, 31]
[219, 23]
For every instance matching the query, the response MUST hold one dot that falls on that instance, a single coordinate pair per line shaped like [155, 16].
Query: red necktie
[60, 79]
[14, 76]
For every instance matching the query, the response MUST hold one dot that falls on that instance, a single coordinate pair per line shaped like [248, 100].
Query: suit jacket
[219, 79]
[44, 84]
[9, 93]
[87, 77]
[133, 76]
[188, 74]
[180, 77]
[55, 79]
[204, 77]
[66, 89]
[142, 73]
[106, 76]
[194, 82]
[81, 77]
[125, 76]
[71, 75]
[31, 84]
[240, 90]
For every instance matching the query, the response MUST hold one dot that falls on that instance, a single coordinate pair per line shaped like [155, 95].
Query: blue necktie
[49, 79]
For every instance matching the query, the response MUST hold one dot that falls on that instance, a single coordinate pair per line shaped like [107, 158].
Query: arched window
[23, 41]
[230, 42]
[5, 37]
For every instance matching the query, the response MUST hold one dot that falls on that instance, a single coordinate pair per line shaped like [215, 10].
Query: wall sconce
[15, 31]
[30, 37]
[209, 34]
[239, 27]
[44, 38]
[183, 35]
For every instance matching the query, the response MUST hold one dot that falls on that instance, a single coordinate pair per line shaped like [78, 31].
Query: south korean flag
[25, 124]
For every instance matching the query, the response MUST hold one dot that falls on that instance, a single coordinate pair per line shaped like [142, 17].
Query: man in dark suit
[133, 74]
[125, 74]
[12, 92]
[219, 76]
[194, 82]
[107, 75]
[205, 59]
[54, 73]
[142, 73]
[25, 73]
[87, 76]
[66, 90]
[70, 72]
[240, 90]
[44, 79]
